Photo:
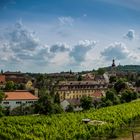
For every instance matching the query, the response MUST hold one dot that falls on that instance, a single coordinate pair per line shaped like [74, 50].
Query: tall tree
[101, 71]
[86, 102]
[1, 98]
[10, 85]
[120, 85]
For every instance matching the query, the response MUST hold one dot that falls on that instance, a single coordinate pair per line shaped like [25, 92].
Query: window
[29, 102]
[5, 103]
[19, 102]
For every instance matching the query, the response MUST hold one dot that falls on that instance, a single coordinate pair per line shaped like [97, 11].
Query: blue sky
[59, 35]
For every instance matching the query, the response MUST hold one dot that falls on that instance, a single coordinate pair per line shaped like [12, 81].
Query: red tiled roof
[2, 78]
[97, 94]
[20, 95]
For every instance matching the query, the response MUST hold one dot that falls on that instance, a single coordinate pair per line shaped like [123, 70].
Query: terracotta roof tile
[20, 95]
[97, 94]
[2, 78]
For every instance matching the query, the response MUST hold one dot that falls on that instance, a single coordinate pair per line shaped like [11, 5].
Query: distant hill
[125, 68]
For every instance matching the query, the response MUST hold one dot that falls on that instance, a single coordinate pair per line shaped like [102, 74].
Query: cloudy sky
[59, 35]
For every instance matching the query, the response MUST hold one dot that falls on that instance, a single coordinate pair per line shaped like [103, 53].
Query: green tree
[120, 85]
[70, 108]
[79, 77]
[128, 96]
[112, 96]
[96, 103]
[108, 103]
[1, 95]
[86, 102]
[10, 85]
[101, 71]
[112, 79]
[46, 105]
[56, 98]
[1, 98]
[138, 83]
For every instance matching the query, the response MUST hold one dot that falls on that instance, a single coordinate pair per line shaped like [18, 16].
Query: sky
[62, 35]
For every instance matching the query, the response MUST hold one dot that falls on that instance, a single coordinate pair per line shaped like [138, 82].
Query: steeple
[113, 63]
[113, 68]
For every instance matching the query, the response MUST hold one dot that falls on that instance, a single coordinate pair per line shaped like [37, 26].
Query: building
[77, 89]
[62, 76]
[76, 102]
[88, 77]
[17, 98]
[2, 80]
[16, 77]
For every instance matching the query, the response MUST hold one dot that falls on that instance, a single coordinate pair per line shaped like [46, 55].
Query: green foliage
[56, 98]
[86, 102]
[69, 126]
[128, 96]
[96, 104]
[10, 85]
[1, 112]
[1, 98]
[1, 95]
[70, 108]
[112, 79]
[138, 83]
[21, 110]
[112, 96]
[46, 104]
[108, 103]
[120, 85]
[110, 99]
[101, 71]
[79, 78]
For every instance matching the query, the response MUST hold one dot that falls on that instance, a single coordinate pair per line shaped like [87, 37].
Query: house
[76, 102]
[88, 77]
[77, 89]
[17, 98]
[16, 77]
[2, 80]
[62, 75]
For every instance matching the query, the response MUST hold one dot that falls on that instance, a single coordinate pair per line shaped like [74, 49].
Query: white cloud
[59, 47]
[130, 35]
[117, 50]
[79, 51]
[68, 21]
[6, 53]
[20, 44]
[20, 48]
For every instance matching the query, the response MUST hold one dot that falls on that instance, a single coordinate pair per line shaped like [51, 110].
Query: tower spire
[113, 63]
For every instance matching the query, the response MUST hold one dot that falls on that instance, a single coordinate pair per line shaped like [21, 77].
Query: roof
[20, 95]
[2, 78]
[81, 82]
[97, 94]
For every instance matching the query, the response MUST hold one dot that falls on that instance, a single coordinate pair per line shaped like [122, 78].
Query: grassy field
[69, 126]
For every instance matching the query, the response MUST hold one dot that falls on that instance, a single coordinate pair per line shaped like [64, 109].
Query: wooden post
[133, 135]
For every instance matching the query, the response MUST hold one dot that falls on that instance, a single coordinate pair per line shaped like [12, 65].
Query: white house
[17, 98]
[75, 102]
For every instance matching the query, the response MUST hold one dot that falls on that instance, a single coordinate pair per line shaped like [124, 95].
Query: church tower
[113, 63]
[113, 68]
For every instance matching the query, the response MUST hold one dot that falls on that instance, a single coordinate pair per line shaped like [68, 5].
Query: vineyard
[69, 126]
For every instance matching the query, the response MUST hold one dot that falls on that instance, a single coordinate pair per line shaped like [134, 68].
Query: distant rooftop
[20, 95]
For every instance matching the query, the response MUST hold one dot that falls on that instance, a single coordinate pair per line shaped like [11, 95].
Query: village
[22, 91]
